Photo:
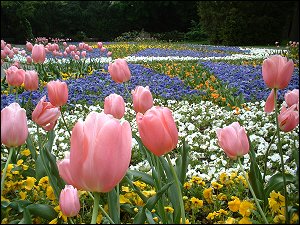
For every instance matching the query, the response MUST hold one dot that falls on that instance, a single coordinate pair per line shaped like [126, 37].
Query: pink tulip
[3, 54]
[103, 49]
[76, 57]
[109, 54]
[233, 139]
[69, 201]
[14, 76]
[3, 43]
[65, 44]
[270, 102]
[57, 93]
[158, 130]
[100, 153]
[31, 81]
[277, 71]
[119, 71]
[83, 54]
[142, 99]
[45, 114]
[114, 104]
[15, 50]
[99, 45]
[38, 53]
[14, 129]
[292, 97]
[28, 59]
[29, 46]
[288, 118]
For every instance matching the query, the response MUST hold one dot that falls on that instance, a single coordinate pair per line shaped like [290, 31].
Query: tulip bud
[69, 201]
[14, 129]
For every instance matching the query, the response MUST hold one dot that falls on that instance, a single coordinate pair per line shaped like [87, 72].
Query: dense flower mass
[93, 89]
[247, 79]
[181, 53]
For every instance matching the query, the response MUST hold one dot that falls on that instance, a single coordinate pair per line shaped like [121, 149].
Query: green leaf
[45, 211]
[31, 147]
[182, 162]
[141, 215]
[276, 183]
[19, 205]
[142, 176]
[173, 197]
[39, 168]
[255, 177]
[26, 217]
[149, 217]
[114, 211]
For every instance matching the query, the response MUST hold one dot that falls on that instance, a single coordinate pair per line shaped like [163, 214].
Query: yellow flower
[187, 185]
[125, 189]
[99, 218]
[245, 220]
[207, 194]
[234, 205]
[44, 181]
[30, 183]
[186, 221]
[19, 162]
[246, 208]
[279, 219]
[50, 193]
[222, 197]
[230, 220]
[124, 200]
[155, 219]
[9, 168]
[136, 209]
[222, 211]
[197, 203]
[211, 216]
[25, 167]
[216, 185]
[223, 178]
[169, 209]
[4, 221]
[149, 193]
[295, 218]
[23, 195]
[54, 221]
[25, 152]
[233, 175]
[140, 184]
[276, 202]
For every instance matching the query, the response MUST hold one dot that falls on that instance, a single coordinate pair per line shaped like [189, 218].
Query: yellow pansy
[169, 209]
[245, 220]
[234, 205]
[30, 183]
[245, 208]
[25, 152]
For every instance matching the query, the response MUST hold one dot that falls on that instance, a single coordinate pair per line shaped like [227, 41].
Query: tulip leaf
[19, 205]
[255, 177]
[141, 215]
[39, 168]
[143, 176]
[31, 147]
[276, 183]
[26, 217]
[113, 205]
[173, 197]
[182, 162]
[45, 211]
[149, 217]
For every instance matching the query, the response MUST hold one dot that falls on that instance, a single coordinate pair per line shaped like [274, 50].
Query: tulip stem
[252, 192]
[96, 207]
[178, 188]
[102, 210]
[125, 85]
[71, 221]
[266, 156]
[62, 116]
[5, 168]
[281, 158]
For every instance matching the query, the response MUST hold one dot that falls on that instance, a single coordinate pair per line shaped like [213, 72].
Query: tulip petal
[270, 102]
